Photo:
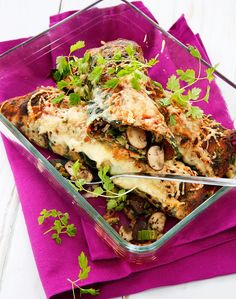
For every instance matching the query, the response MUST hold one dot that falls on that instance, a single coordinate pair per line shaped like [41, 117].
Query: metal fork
[176, 178]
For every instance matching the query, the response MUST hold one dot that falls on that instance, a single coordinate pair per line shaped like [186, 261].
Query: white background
[216, 22]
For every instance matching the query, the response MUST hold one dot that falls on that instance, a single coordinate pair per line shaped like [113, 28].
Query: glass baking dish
[30, 63]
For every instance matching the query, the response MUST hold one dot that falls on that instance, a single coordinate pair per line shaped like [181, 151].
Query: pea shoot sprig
[60, 226]
[184, 95]
[83, 274]
[115, 199]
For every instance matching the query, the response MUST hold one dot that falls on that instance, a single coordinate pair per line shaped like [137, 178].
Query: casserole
[36, 81]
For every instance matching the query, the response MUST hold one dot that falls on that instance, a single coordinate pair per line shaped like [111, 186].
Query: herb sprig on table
[60, 225]
[83, 274]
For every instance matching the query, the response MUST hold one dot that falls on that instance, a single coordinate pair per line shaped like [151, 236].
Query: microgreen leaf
[75, 167]
[186, 76]
[165, 102]
[58, 240]
[90, 291]
[60, 226]
[79, 45]
[83, 264]
[86, 57]
[61, 64]
[111, 204]
[74, 98]
[75, 81]
[56, 75]
[62, 84]
[195, 112]
[194, 93]
[112, 83]
[194, 52]
[158, 84]
[79, 184]
[117, 55]
[173, 83]
[206, 97]
[111, 70]
[152, 62]
[130, 50]
[181, 99]
[122, 194]
[95, 74]
[98, 191]
[100, 60]
[124, 72]
[83, 274]
[58, 99]
[41, 220]
[210, 71]
[107, 183]
[172, 120]
[82, 260]
[135, 82]
[71, 230]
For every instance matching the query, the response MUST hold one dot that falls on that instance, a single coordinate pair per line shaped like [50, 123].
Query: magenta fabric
[205, 249]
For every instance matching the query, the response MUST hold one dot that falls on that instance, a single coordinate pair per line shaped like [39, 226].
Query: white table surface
[216, 22]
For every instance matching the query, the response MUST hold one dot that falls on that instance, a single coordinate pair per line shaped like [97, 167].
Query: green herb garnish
[173, 83]
[74, 98]
[76, 167]
[184, 95]
[106, 181]
[95, 75]
[195, 112]
[62, 84]
[79, 45]
[86, 72]
[172, 120]
[58, 99]
[186, 76]
[115, 198]
[83, 274]
[194, 52]
[60, 226]
[112, 83]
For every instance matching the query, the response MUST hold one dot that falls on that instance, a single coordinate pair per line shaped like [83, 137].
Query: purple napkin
[196, 253]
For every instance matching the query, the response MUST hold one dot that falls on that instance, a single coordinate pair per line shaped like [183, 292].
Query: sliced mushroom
[157, 221]
[137, 137]
[68, 167]
[126, 233]
[83, 173]
[156, 157]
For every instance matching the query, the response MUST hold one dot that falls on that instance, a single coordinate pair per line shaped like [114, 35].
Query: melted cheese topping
[197, 131]
[130, 107]
[67, 130]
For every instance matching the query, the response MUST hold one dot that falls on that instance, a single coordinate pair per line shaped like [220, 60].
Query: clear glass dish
[31, 62]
